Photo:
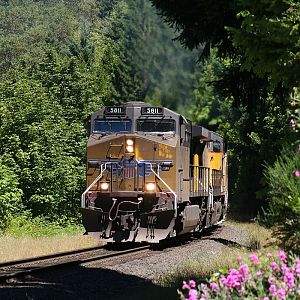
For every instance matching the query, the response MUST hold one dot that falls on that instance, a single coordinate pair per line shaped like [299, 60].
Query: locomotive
[151, 175]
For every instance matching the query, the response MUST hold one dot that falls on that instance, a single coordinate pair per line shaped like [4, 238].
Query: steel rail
[50, 256]
[23, 270]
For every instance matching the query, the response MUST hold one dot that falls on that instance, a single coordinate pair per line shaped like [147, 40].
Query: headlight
[129, 142]
[104, 186]
[150, 186]
[129, 149]
[129, 145]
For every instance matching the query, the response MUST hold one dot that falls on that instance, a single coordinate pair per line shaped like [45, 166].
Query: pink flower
[254, 259]
[192, 284]
[269, 254]
[293, 124]
[272, 290]
[193, 295]
[271, 279]
[289, 279]
[274, 266]
[259, 273]
[281, 294]
[232, 280]
[265, 298]
[244, 270]
[214, 287]
[282, 254]
[296, 173]
[297, 267]
[185, 286]
[239, 259]
[284, 267]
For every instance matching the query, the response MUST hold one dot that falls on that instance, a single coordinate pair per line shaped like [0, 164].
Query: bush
[284, 199]
[10, 195]
[265, 277]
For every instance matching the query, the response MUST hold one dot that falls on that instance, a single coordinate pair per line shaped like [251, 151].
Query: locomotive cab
[149, 175]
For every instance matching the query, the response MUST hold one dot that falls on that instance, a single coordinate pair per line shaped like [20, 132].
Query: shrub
[284, 199]
[10, 195]
[265, 277]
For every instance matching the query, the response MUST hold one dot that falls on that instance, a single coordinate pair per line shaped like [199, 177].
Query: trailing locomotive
[151, 175]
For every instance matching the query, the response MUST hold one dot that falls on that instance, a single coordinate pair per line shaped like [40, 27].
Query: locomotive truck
[151, 175]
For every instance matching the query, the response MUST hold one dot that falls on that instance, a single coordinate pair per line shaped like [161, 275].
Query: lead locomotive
[151, 175]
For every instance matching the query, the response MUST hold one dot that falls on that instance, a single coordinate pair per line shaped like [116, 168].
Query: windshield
[112, 125]
[159, 125]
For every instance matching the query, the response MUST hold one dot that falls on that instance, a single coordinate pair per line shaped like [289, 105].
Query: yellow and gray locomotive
[151, 175]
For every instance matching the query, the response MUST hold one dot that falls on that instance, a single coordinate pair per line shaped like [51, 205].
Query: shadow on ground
[85, 283]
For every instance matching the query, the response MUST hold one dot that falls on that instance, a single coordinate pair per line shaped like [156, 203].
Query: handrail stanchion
[102, 169]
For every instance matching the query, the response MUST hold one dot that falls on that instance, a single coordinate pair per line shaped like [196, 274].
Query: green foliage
[206, 109]
[42, 131]
[10, 195]
[249, 115]
[283, 179]
[43, 108]
[284, 197]
[26, 30]
[269, 37]
[24, 225]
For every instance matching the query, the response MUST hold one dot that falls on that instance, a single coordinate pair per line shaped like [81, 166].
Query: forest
[234, 68]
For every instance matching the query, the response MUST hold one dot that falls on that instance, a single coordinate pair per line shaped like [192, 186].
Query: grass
[261, 237]
[24, 226]
[203, 267]
[26, 237]
[12, 248]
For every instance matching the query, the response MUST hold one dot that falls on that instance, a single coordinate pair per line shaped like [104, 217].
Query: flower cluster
[265, 277]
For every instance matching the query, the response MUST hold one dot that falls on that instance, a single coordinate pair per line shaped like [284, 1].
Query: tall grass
[25, 226]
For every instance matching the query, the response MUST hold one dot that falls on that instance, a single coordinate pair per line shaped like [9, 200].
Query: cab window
[109, 125]
[156, 125]
[216, 147]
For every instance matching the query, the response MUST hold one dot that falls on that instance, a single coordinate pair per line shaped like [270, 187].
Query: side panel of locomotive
[151, 175]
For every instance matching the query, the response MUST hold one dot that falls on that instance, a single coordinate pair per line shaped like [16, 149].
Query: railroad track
[21, 268]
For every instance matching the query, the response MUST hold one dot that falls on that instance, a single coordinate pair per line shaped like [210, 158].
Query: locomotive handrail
[157, 175]
[93, 183]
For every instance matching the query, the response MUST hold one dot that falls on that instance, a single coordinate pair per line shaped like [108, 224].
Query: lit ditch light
[129, 146]
[104, 186]
[150, 186]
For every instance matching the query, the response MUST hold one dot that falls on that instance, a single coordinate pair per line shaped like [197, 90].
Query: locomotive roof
[137, 104]
[133, 113]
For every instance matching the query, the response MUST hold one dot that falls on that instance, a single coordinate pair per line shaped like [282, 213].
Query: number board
[152, 111]
[115, 110]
